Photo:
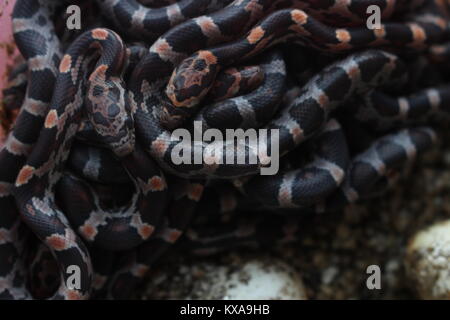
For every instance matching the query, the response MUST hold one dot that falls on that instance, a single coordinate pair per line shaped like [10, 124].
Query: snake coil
[86, 173]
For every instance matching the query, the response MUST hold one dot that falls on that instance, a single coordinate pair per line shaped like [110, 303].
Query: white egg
[427, 261]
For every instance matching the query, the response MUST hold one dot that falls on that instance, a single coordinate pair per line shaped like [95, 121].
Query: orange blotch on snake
[57, 242]
[88, 231]
[157, 183]
[353, 72]
[208, 56]
[343, 35]
[442, 23]
[297, 133]
[162, 46]
[323, 100]
[299, 17]
[159, 147]
[255, 35]
[65, 64]
[51, 120]
[24, 175]
[174, 235]
[140, 271]
[380, 33]
[146, 231]
[207, 25]
[195, 192]
[438, 49]
[99, 72]
[73, 295]
[100, 34]
[419, 34]
[284, 197]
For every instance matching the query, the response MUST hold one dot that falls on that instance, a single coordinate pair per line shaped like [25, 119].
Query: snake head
[192, 80]
[109, 112]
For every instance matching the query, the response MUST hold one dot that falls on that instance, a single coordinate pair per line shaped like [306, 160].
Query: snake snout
[124, 138]
[192, 79]
[125, 145]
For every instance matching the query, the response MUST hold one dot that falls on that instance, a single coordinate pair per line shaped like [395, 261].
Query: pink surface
[7, 48]
[6, 39]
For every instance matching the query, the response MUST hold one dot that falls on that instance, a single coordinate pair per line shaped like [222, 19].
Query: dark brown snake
[87, 176]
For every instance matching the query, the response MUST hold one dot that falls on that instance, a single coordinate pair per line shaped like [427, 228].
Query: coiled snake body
[221, 63]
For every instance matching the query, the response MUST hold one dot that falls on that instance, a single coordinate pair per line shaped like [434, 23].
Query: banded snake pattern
[86, 173]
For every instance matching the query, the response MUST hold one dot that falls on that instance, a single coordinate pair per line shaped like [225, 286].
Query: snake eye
[99, 120]
[113, 110]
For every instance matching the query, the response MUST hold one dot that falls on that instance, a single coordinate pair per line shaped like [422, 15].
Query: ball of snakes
[87, 177]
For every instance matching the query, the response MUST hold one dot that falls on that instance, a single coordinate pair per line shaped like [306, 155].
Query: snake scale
[87, 176]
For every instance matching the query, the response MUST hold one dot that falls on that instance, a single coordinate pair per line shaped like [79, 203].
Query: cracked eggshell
[266, 279]
[427, 261]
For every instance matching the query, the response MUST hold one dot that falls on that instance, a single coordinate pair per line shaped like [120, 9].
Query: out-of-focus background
[8, 51]
[7, 47]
